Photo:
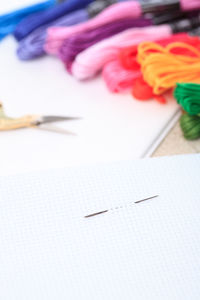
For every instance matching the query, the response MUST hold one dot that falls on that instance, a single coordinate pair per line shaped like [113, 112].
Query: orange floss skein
[163, 67]
[128, 58]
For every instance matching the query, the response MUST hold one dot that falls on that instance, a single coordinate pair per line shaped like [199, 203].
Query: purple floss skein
[72, 46]
[32, 46]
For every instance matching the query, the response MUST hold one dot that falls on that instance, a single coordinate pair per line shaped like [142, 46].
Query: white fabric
[150, 250]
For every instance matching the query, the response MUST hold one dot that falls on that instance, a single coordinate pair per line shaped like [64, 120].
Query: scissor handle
[12, 124]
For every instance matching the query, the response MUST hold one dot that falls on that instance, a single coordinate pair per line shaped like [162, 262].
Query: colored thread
[132, 9]
[128, 55]
[9, 21]
[118, 11]
[162, 67]
[36, 20]
[89, 62]
[118, 79]
[128, 58]
[190, 5]
[33, 45]
[71, 47]
[190, 126]
[188, 96]
[143, 92]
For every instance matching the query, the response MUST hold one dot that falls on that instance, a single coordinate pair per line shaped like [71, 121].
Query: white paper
[113, 127]
[143, 251]
[8, 6]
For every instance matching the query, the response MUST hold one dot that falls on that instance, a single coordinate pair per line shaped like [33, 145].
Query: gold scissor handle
[12, 124]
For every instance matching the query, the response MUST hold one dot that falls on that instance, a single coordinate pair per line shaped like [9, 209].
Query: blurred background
[84, 82]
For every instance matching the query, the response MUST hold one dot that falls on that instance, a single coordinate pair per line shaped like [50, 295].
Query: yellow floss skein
[162, 69]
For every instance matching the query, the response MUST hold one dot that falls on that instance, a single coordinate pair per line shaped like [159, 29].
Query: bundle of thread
[91, 61]
[9, 21]
[120, 39]
[107, 49]
[188, 96]
[57, 35]
[71, 47]
[126, 9]
[32, 46]
[34, 21]
[120, 74]
[162, 67]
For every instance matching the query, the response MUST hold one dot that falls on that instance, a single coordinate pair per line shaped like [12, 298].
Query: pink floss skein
[118, 79]
[190, 5]
[122, 10]
[89, 62]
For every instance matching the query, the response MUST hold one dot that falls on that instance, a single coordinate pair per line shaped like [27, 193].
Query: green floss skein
[188, 96]
[190, 126]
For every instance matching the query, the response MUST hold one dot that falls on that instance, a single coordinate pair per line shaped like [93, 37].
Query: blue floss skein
[29, 24]
[9, 21]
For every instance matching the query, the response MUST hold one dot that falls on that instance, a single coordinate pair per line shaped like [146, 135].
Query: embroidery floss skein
[124, 73]
[89, 62]
[132, 9]
[33, 45]
[188, 96]
[9, 21]
[190, 126]
[118, 11]
[128, 58]
[128, 55]
[152, 33]
[162, 68]
[36, 20]
[79, 42]
[118, 79]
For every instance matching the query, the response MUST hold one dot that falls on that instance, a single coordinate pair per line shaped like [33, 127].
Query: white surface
[49, 251]
[114, 127]
[11, 5]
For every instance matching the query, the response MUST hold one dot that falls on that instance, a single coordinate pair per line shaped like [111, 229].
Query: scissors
[32, 121]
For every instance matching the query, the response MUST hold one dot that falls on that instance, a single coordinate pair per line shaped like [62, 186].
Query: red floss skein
[118, 79]
[128, 55]
[142, 91]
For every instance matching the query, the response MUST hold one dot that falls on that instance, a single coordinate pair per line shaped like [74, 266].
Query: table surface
[175, 143]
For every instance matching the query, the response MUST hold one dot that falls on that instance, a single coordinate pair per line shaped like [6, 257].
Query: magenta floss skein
[79, 42]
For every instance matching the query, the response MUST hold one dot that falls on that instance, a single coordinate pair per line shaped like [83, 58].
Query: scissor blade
[55, 129]
[51, 119]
